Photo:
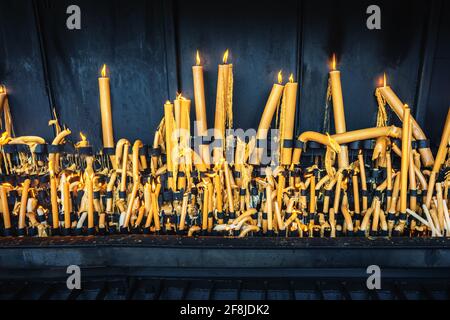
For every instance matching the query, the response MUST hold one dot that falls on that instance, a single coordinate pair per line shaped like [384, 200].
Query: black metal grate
[246, 289]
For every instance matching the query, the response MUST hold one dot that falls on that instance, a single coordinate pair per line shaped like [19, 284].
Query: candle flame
[280, 77]
[2, 89]
[291, 78]
[225, 57]
[384, 80]
[104, 71]
[405, 106]
[83, 137]
[333, 62]
[168, 102]
[197, 58]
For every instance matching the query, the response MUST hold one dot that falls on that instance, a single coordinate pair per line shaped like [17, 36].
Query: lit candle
[287, 120]
[223, 115]
[338, 110]
[200, 107]
[266, 119]
[105, 110]
[83, 143]
[177, 110]
[394, 102]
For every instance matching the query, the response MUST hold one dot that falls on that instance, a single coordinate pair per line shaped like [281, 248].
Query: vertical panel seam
[299, 62]
[427, 53]
[44, 61]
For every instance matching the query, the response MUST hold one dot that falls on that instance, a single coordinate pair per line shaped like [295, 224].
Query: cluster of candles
[171, 187]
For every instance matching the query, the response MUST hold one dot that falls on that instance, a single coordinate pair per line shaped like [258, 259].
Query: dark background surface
[149, 47]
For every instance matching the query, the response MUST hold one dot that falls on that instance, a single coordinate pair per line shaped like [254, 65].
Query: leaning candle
[266, 119]
[200, 108]
[223, 106]
[2, 96]
[397, 105]
[440, 158]
[338, 110]
[287, 120]
[105, 110]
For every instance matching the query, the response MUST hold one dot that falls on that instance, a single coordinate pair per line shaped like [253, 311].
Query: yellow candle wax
[170, 145]
[267, 116]
[105, 109]
[338, 110]
[397, 106]
[288, 119]
[223, 106]
[200, 107]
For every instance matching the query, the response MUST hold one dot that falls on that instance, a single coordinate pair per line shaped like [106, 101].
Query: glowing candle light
[105, 110]
[223, 116]
[200, 106]
[287, 120]
[266, 119]
[338, 109]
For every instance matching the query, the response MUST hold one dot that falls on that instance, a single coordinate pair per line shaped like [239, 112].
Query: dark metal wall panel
[363, 55]
[150, 47]
[261, 37]
[21, 69]
[439, 98]
[126, 35]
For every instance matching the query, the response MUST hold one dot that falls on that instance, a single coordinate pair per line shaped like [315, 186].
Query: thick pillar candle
[200, 107]
[338, 111]
[222, 107]
[288, 120]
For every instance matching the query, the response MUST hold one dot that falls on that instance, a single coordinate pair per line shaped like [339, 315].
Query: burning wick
[104, 71]
[291, 78]
[384, 80]
[333, 62]
[83, 143]
[280, 77]
[197, 59]
[225, 57]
